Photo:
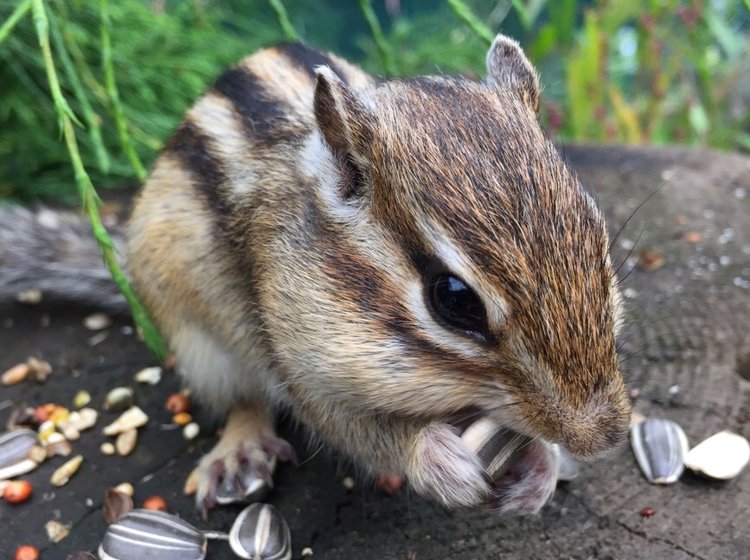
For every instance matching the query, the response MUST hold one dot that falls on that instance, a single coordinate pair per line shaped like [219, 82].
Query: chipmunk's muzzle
[588, 430]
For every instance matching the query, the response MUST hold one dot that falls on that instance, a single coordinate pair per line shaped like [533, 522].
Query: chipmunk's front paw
[237, 462]
[443, 468]
[529, 482]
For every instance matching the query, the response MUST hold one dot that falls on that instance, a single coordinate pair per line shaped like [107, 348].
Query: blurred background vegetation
[632, 71]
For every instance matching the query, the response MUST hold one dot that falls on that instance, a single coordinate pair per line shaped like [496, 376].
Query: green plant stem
[284, 23]
[89, 198]
[93, 123]
[114, 96]
[7, 28]
[384, 48]
[464, 12]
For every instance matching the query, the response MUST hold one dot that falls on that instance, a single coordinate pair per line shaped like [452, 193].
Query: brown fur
[282, 240]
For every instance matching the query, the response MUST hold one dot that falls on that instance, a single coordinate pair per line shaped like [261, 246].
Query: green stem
[86, 189]
[464, 12]
[283, 17]
[114, 96]
[377, 34]
[10, 23]
[93, 122]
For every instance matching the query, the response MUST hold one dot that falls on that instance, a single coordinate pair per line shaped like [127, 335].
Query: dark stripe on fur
[192, 148]
[262, 117]
[308, 59]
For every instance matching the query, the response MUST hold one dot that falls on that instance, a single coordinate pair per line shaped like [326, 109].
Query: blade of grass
[89, 198]
[284, 23]
[93, 122]
[10, 23]
[114, 97]
[464, 12]
[384, 48]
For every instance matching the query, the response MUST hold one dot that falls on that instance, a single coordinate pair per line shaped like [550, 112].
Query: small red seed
[26, 552]
[648, 512]
[155, 503]
[177, 402]
[17, 491]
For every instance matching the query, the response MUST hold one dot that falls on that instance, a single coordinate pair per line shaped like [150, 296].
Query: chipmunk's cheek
[530, 482]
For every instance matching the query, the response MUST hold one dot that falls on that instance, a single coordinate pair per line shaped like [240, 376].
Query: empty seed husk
[496, 446]
[15, 447]
[63, 474]
[260, 532]
[126, 442]
[660, 447]
[39, 369]
[116, 504]
[722, 456]
[132, 418]
[136, 534]
[118, 399]
[56, 531]
[151, 375]
[569, 467]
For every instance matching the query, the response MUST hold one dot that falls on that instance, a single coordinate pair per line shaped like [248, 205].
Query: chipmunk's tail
[55, 252]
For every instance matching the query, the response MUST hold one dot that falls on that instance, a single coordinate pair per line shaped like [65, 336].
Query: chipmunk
[385, 259]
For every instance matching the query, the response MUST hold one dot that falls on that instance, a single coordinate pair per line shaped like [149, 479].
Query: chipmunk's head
[471, 264]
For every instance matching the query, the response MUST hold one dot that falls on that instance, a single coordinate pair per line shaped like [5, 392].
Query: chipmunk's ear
[508, 68]
[346, 127]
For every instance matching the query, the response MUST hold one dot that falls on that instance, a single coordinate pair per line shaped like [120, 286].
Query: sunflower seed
[15, 447]
[722, 456]
[247, 487]
[152, 534]
[660, 447]
[496, 446]
[261, 533]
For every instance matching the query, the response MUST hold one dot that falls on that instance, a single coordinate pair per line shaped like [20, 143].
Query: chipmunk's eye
[456, 304]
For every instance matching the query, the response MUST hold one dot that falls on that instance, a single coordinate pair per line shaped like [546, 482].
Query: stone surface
[685, 346]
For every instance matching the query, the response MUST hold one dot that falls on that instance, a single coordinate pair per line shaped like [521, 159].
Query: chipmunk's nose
[592, 428]
[600, 425]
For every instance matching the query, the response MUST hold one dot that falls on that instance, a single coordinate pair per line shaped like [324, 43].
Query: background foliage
[661, 71]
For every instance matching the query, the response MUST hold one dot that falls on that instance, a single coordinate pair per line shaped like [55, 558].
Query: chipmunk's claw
[232, 469]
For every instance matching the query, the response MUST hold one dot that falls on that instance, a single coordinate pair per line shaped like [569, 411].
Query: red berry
[155, 503]
[26, 552]
[17, 491]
